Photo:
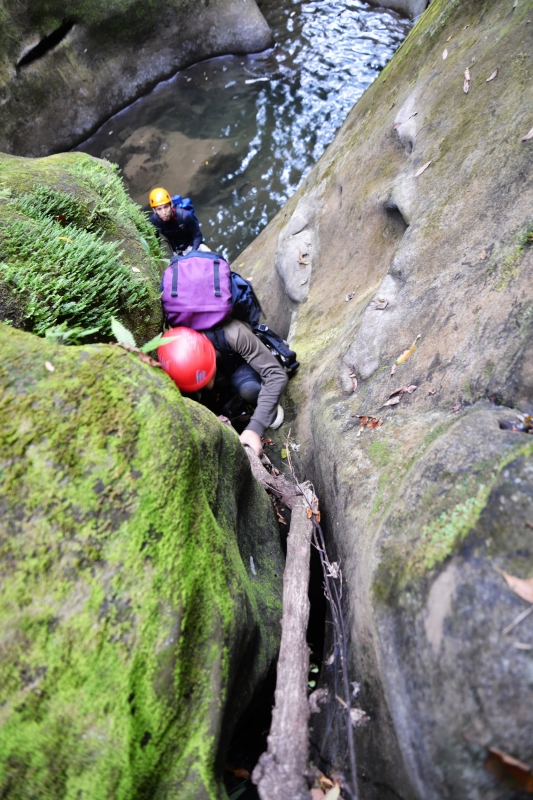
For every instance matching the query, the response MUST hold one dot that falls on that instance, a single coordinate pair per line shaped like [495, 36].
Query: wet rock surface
[133, 629]
[421, 510]
[68, 67]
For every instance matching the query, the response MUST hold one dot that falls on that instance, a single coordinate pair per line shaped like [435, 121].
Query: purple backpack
[196, 291]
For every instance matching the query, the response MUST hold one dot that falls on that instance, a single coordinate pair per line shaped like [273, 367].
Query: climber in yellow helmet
[178, 225]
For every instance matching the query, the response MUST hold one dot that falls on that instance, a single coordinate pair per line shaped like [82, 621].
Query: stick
[516, 620]
[280, 772]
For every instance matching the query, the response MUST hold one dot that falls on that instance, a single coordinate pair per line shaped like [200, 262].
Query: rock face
[67, 66]
[418, 222]
[74, 249]
[140, 579]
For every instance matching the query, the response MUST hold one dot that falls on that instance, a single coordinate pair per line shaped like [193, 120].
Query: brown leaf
[494, 75]
[362, 419]
[407, 353]
[309, 513]
[422, 169]
[239, 772]
[325, 782]
[483, 255]
[375, 423]
[380, 306]
[432, 391]
[523, 588]
[354, 383]
[393, 369]
[528, 136]
[466, 84]
[457, 407]
[147, 360]
[449, 37]
[392, 402]
[404, 390]
[514, 773]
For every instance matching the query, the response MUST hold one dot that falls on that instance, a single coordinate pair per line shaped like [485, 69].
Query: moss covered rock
[133, 629]
[74, 249]
[68, 65]
[418, 220]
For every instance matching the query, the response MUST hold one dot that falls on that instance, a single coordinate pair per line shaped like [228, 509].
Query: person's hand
[253, 440]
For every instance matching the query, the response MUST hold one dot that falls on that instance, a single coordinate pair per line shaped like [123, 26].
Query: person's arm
[193, 229]
[273, 377]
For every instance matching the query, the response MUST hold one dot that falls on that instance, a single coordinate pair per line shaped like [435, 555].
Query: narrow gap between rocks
[47, 43]
[249, 739]
[396, 217]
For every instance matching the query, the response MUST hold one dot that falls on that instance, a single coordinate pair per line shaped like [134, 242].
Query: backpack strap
[216, 277]
[230, 359]
[174, 290]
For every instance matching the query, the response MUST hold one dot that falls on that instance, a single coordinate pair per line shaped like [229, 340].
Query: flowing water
[237, 134]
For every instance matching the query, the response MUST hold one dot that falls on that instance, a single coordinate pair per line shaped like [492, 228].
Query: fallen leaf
[304, 282]
[393, 369]
[358, 717]
[528, 136]
[483, 255]
[64, 238]
[407, 353]
[349, 297]
[325, 782]
[449, 37]
[381, 305]
[514, 773]
[49, 366]
[237, 771]
[432, 391]
[135, 269]
[362, 419]
[375, 423]
[309, 513]
[466, 84]
[392, 402]
[422, 169]
[445, 54]
[457, 407]
[404, 390]
[523, 588]
[494, 75]
[334, 793]
[354, 383]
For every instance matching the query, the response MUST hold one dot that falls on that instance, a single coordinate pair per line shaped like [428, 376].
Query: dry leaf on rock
[358, 717]
[466, 84]
[392, 402]
[483, 255]
[380, 305]
[354, 382]
[432, 391]
[445, 55]
[407, 353]
[523, 588]
[304, 282]
[362, 419]
[514, 773]
[449, 37]
[375, 423]
[528, 136]
[457, 407]
[302, 260]
[393, 369]
[494, 75]
[349, 296]
[404, 390]
[49, 366]
[422, 169]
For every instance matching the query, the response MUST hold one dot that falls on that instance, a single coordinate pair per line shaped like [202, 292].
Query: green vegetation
[66, 255]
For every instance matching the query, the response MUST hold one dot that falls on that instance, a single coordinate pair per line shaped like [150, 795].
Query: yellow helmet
[159, 197]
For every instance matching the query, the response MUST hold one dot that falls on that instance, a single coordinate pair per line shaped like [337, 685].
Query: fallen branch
[280, 772]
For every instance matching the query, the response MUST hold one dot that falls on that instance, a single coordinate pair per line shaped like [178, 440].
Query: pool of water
[237, 134]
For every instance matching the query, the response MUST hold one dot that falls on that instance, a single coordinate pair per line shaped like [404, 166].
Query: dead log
[280, 772]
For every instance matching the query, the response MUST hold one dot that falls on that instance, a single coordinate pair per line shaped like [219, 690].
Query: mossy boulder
[68, 65]
[74, 249]
[418, 220]
[140, 579]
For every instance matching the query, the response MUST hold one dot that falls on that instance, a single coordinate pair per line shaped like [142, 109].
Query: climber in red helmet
[241, 364]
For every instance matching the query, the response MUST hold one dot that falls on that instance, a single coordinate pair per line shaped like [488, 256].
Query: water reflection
[237, 134]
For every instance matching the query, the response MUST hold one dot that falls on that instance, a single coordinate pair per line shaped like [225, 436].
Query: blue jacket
[182, 230]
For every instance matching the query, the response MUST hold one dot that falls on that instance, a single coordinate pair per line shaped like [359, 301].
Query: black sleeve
[193, 229]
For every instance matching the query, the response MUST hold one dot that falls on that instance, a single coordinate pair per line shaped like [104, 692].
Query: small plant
[125, 337]
[64, 335]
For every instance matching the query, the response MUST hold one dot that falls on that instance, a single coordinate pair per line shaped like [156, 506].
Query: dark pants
[247, 383]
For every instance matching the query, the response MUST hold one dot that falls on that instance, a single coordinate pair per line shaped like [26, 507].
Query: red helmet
[190, 359]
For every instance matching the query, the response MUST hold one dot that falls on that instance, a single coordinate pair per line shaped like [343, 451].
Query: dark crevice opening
[396, 217]
[47, 43]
